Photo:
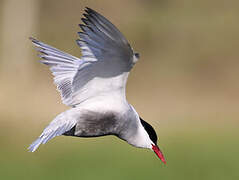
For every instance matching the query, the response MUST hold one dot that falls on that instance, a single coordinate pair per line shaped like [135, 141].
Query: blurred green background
[185, 84]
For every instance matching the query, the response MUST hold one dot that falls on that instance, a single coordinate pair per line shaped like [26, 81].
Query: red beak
[158, 153]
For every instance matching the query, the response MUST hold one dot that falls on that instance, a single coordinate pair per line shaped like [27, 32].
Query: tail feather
[35, 145]
[57, 127]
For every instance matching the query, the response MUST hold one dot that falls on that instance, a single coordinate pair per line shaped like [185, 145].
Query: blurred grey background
[185, 84]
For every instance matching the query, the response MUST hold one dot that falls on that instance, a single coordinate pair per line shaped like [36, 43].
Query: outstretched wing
[63, 66]
[106, 61]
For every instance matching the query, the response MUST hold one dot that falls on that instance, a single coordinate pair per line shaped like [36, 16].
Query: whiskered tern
[94, 87]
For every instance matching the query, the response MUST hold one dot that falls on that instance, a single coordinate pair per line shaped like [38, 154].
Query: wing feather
[106, 56]
[63, 66]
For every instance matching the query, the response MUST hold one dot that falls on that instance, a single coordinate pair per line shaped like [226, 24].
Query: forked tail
[57, 127]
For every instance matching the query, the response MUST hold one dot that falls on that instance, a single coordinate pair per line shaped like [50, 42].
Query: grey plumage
[93, 85]
[56, 128]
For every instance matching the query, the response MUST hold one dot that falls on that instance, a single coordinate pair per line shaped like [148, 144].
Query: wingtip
[86, 15]
[81, 26]
[32, 39]
[88, 9]
[30, 150]
[85, 28]
[33, 147]
[84, 20]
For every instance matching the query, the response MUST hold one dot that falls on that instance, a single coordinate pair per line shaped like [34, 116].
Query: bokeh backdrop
[185, 84]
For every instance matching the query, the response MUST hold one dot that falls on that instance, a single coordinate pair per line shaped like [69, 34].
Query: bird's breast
[104, 120]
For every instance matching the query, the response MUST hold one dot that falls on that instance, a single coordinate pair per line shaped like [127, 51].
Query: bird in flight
[94, 87]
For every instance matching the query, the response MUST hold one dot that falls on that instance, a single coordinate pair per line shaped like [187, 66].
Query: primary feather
[106, 54]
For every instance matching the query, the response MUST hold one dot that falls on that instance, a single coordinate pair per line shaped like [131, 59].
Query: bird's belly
[96, 124]
[99, 117]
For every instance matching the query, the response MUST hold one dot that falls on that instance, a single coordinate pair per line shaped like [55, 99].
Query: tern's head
[153, 140]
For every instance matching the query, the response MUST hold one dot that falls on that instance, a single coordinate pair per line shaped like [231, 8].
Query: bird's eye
[136, 55]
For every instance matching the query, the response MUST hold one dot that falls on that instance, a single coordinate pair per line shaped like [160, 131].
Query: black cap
[150, 130]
